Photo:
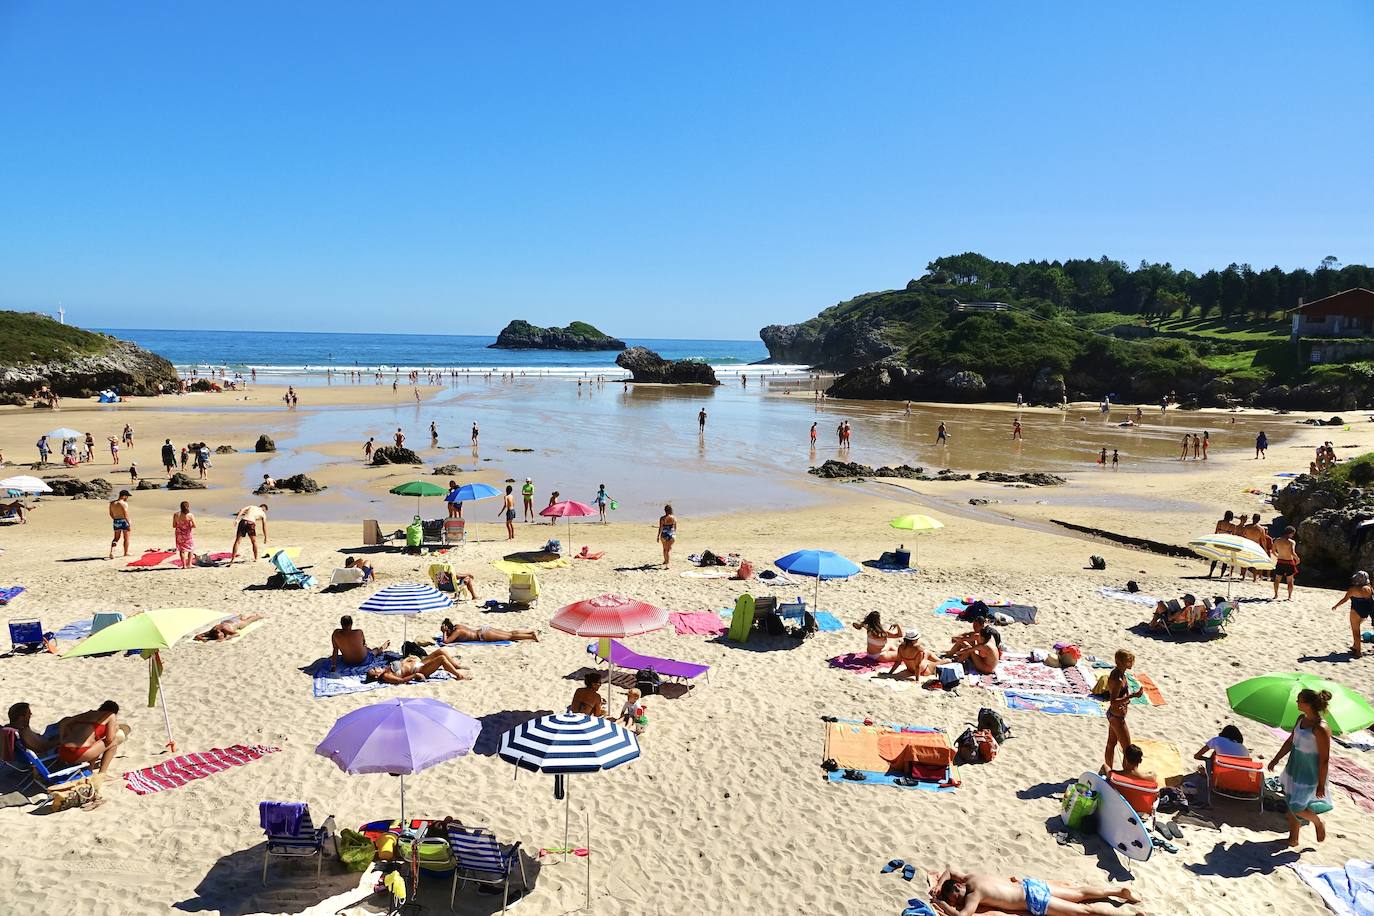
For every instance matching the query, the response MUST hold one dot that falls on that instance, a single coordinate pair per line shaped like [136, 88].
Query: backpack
[773, 624]
[647, 681]
[986, 744]
[1097, 562]
[966, 748]
[991, 721]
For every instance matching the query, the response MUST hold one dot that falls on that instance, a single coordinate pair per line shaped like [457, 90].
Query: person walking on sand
[44, 449]
[527, 498]
[941, 437]
[1261, 446]
[1308, 750]
[1286, 560]
[667, 532]
[701, 420]
[114, 450]
[169, 457]
[246, 524]
[400, 438]
[368, 448]
[120, 522]
[508, 512]
[1119, 697]
[601, 499]
[1361, 597]
[184, 534]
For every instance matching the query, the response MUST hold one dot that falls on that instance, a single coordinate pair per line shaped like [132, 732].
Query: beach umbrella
[1232, 550]
[401, 737]
[406, 600]
[823, 564]
[65, 432]
[569, 509]
[25, 483]
[149, 633]
[607, 617]
[472, 491]
[916, 523]
[567, 743]
[419, 489]
[1273, 700]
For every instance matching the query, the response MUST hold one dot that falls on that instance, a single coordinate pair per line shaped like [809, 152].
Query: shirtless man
[350, 644]
[1286, 560]
[119, 519]
[21, 720]
[1226, 525]
[982, 648]
[1254, 531]
[246, 526]
[958, 894]
[508, 512]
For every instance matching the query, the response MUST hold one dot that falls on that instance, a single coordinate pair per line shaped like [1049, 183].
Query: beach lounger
[455, 532]
[1239, 778]
[524, 588]
[29, 636]
[621, 657]
[346, 577]
[480, 859]
[34, 770]
[304, 842]
[292, 576]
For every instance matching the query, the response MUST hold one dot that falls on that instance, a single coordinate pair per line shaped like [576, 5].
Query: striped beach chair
[481, 860]
[307, 841]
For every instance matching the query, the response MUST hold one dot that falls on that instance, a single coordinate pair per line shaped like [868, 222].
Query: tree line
[1150, 290]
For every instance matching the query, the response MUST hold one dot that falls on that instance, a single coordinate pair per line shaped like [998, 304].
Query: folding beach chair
[481, 860]
[625, 659]
[292, 576]
[33, 770]
[524, 588]
[345, 577]
[373, 535]
[1141, 794]
[455, 531]
[1239, 778]
[307, 840]
[432, 533]
[29, 636]
[441, 575]
[1218, 619]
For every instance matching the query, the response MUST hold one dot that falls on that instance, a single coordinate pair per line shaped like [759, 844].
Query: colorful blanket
[475, 644]
[515, 566]
[858, 663]
[74, 631]
[9, 593]
[171, 774]
[1053, 704]
[697, 623]
[1346, 890]
[353, 679]
[1357, 782]
[863, 748]
[1017, 672]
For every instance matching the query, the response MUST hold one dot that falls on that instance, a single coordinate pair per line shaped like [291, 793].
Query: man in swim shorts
[955, 894]
[119, 518]
[1285, 561]
[246, 525]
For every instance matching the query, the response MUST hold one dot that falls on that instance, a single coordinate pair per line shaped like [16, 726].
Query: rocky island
[38, 351]
[521, 335]
[647, 366]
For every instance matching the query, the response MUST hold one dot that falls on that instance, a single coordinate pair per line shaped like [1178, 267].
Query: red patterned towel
[180, 770]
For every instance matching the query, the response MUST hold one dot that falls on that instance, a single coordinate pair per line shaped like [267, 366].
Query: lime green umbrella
[1273, 700]
[419, 489]
[916, 523]
[148, 633]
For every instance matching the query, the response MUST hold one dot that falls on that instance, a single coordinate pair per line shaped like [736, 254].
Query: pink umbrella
[568, 509]
[606, 616]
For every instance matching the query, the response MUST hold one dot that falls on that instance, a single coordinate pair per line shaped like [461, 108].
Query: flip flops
[1174, 830]
[854, 776]
[1161, 843]
[909, 872]
[892, 866]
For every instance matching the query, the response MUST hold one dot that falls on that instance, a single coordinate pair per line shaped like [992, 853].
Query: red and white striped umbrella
[609, 615]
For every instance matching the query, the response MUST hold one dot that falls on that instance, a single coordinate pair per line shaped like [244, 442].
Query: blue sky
[698, 170]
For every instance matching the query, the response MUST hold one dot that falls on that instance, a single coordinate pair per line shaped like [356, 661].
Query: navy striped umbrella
[406, 599]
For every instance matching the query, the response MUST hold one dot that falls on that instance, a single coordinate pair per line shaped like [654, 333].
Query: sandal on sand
[892, 866]
[909, 872]
[1174, 830]
[1164, 844]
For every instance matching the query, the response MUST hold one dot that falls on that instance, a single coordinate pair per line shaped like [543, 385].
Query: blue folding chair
[481, 860]
[28, 636]
[308, 841]
[292, 575]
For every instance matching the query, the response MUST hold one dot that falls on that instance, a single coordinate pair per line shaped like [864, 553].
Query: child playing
[633, 713]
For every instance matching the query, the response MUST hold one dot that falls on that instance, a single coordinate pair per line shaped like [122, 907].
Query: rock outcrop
[447, 470]
[521, 335]
[647, 366]
[265, 444]
[147, 484]
[296, 483]
[391, 454]
[848, 470]
[180, 481]
[95, 488]
[229, 449]
[1033, 478]
[73, 362]
[840, 346]
[1335, 525]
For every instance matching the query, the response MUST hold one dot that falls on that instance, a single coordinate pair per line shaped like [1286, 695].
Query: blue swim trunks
[121, 524]
[1037, 896]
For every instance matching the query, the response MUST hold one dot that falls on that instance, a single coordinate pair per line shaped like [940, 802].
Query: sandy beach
[727, 809]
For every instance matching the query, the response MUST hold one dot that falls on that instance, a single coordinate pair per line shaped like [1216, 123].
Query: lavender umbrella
[399, 736]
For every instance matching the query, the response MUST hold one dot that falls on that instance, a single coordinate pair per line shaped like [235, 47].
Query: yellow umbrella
[1234, 551]
[148, 633]
[916, 523]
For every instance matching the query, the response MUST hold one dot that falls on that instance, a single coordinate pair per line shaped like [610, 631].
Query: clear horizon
[658, 173]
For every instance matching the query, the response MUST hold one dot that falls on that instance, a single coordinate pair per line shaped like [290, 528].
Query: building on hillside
[980, 306]
[1337, 328]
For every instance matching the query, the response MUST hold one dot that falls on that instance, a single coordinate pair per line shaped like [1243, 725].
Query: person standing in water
[601, 500]
[527, 497]
[433, 435]
[367, 451]
[667, 532]
[508, 512]
[475, 433]
[1016, 428]
[1116, 458]
[1206, 443]
[701, 420]
[1261, 445]
[813, 435]
[941, 438]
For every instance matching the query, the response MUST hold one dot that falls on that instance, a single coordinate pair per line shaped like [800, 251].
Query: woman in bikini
[1120, 696]
[405, 670]
[878, 636]
[667, 532]
[1361, 598]
[90, 736]
[456, 632]
[913, 656]
[229, 628]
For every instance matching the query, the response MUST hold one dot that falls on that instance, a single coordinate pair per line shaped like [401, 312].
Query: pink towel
[698, 623]
[178, 771]
[857, 662]
[1354, 779]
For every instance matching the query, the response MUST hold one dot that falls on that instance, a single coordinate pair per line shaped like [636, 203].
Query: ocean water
[311, 353]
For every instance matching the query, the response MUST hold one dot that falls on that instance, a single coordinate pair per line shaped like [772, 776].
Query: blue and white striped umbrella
[568, 743]
[407, 600]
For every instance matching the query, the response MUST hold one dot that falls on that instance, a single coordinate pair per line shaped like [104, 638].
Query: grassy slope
[29, 338]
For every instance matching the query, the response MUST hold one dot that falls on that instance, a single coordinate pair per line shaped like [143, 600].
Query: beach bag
[1097, 562]
[1080, 803]
[950, 675]
[1172, 801]
[1100, 688]
[647, 681]
[415, 534]
[1068, 654]
[987, 745]
[77, 794]
[355, 850]
[991, 721]
[966, 747]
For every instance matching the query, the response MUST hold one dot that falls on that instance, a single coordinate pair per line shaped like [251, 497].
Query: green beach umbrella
[149, 633]
[1273, 700]
[916, 523]
[419, 489]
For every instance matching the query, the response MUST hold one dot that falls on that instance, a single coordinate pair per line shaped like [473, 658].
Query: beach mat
[518, 566]
[1162, 758]
[352, 679]
[10, 592]
[1017, 672]
[74, 631]
[177, 772]
[870, 749]
[1140, 598]
[1020, 613]
[476, 644]
[1347, 890]
[697, 623]
[1357, 781]
[1053, 704]
[151, 558]
[857, 663]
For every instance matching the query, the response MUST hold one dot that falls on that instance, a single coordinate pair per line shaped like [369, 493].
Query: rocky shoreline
[850, 470]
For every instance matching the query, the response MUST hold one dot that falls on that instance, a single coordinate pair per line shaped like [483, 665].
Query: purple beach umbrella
[401, 736]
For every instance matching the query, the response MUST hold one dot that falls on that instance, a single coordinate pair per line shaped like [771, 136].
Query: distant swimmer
[701, 420]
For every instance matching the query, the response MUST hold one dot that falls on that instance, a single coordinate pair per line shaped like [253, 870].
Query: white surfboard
[1117, 822]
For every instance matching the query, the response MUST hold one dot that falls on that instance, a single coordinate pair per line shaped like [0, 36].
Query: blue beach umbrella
[472, 491]
[822, 564]
[406, 600]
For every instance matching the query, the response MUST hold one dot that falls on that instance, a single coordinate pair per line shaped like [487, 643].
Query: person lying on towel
[457, 632]
[229, 628]
[369, 574]
[957, 894]
[980, 647]
[410, 668]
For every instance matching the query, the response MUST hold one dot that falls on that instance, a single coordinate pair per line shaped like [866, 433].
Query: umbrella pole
[588, 857]
[816, 601]
[162, 699]
[403, 801]
[567, 813]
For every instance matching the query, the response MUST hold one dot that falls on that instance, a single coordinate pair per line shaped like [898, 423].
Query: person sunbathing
[457, 632]
[228, 629]
[1131, 759]
[877, 636]
[1180, 612]
[15, 508]
[981, 647]
[913, 657]
[350, 645]
[958, 894]
[410, 668]
[90, 736]
[462, 580]
[369, 574]
[586, 699]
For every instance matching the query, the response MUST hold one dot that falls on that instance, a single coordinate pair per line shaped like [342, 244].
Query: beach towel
[1020, 613]
[1162, 758]
[1133, 597]
[1017, 672]
[1142, 681]
[697, 623]
[209, 559]
[171, 774]
[952, 607]
[518, 566]
[477, 644]
[151, 558]
[74, 631]
[879, 752]
[857, 662]
[346, 680]
[826, 622]
[281, 818]
[1357, 782]
[1346, 890]
[9, 593]
[1053, 704]
[708, 574]
[1360, 741]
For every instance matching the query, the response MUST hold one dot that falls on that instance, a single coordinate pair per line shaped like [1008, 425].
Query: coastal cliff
[37, 351]
[647, 366]
[521, 335]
